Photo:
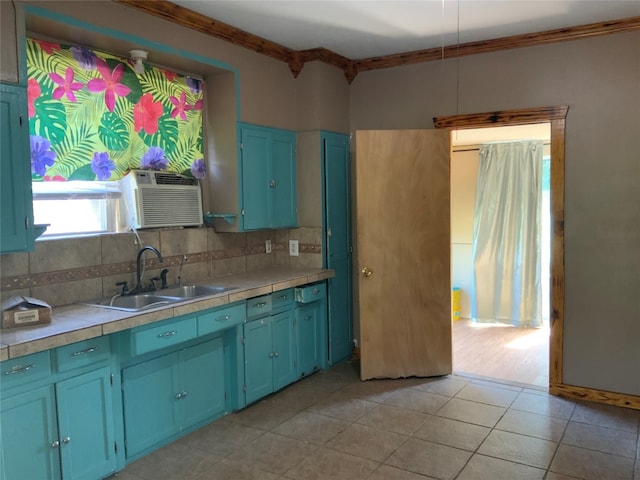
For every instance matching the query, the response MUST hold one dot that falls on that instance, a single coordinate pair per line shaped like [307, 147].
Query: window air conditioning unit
[161, 199]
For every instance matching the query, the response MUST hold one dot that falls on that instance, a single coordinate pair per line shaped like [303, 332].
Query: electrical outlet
[293, 248]
[267, 246]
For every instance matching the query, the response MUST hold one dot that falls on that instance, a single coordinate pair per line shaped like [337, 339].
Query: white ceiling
[360, 29]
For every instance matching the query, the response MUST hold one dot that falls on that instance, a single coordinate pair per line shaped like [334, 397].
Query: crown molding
[297, 58]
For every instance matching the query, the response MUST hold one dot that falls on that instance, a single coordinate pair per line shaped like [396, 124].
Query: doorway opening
[489, 344]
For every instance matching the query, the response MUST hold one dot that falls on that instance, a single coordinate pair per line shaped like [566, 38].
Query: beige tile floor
[332, 426]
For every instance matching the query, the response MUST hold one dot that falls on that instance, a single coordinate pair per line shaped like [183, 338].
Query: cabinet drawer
[282, 299]
[22, 370]
[221, 318]
[169, 333]
[311, 293]
[83, 353]
[259, 306]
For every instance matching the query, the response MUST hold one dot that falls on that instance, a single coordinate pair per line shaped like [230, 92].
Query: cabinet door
[283, 172]
[202, 381]
[256, 178]
[85, 425]
[284, 362]
[28, 433]
[258, 378]
[16, 233]
[151, 409]
[308, 338]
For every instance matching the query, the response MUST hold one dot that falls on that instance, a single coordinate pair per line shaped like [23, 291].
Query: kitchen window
[92, 118]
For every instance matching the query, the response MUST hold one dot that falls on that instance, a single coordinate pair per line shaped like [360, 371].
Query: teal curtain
[91, 117]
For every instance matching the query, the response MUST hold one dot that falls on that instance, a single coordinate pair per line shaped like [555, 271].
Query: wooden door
[403, 253]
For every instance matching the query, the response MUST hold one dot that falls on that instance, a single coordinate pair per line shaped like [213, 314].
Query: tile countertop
[73, 323]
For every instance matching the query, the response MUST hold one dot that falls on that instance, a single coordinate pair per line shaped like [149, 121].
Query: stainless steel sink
[134, 303]
[158, 298]
[191, 291]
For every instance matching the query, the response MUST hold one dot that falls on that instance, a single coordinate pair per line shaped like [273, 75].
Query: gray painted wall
[598, 78]
[600, 81]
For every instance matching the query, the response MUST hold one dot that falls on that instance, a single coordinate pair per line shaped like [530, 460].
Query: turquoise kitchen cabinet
[168, 394]
[86, 426]
[269, 352]
[29, 434]
[17, 232]
[268, 175]
[308, 342]
[311, 328]
[58, 431]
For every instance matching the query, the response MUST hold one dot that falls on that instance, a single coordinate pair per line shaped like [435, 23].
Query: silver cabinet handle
[84, 352]
[272, 184]
[315, 291]
[260, 305]
[223, 318]
[20, 369]
[55, 444]
[66, 440]
[178, 395]
[184, 394]
[282, 297]
[270, 354]
[170, 333]
[275, 354]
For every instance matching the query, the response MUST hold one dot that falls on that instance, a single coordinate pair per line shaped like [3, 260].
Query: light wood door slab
[403, 238]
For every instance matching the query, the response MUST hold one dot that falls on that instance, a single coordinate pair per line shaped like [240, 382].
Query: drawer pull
[181, 395]
[66, 440]
[270, 354]
[20, 369]
[55, 444]
[260, 305]
[223, 318]
[84, 352]
[170, 333]
[315, 291]
[282, 297]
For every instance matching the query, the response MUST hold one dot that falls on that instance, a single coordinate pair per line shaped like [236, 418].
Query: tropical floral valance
[91, 117]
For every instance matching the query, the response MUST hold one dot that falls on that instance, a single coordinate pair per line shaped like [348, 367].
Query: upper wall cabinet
[268, 174]
[16, 216]
[253, 187]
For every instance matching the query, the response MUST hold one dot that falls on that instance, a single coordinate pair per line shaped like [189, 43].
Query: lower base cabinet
[269, 355]
[60, 431]
[308, 338]
[168, 394]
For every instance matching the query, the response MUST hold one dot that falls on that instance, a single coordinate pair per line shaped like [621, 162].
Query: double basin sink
[157, 298]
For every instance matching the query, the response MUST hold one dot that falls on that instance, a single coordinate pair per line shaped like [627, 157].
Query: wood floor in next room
[501, 352]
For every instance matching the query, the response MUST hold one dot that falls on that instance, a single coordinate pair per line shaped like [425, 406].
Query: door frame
[556, 116]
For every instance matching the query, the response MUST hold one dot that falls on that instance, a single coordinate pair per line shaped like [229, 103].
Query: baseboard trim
[594, 395]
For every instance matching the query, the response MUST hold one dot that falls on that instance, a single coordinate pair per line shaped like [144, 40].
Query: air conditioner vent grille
[170, 206]
[174, 179]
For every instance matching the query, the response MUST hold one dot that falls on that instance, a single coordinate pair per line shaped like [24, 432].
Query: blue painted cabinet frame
[268, 166]
[17, 232]
[59, 430]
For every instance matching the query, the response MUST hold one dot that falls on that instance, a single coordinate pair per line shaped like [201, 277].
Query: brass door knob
[367, 272]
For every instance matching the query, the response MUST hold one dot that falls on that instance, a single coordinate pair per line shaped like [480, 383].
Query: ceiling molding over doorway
[297, 58]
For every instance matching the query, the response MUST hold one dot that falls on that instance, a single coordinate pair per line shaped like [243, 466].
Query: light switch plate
[267, 246]
[293, 248]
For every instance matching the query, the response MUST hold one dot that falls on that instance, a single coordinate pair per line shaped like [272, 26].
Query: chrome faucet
[139, 288]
